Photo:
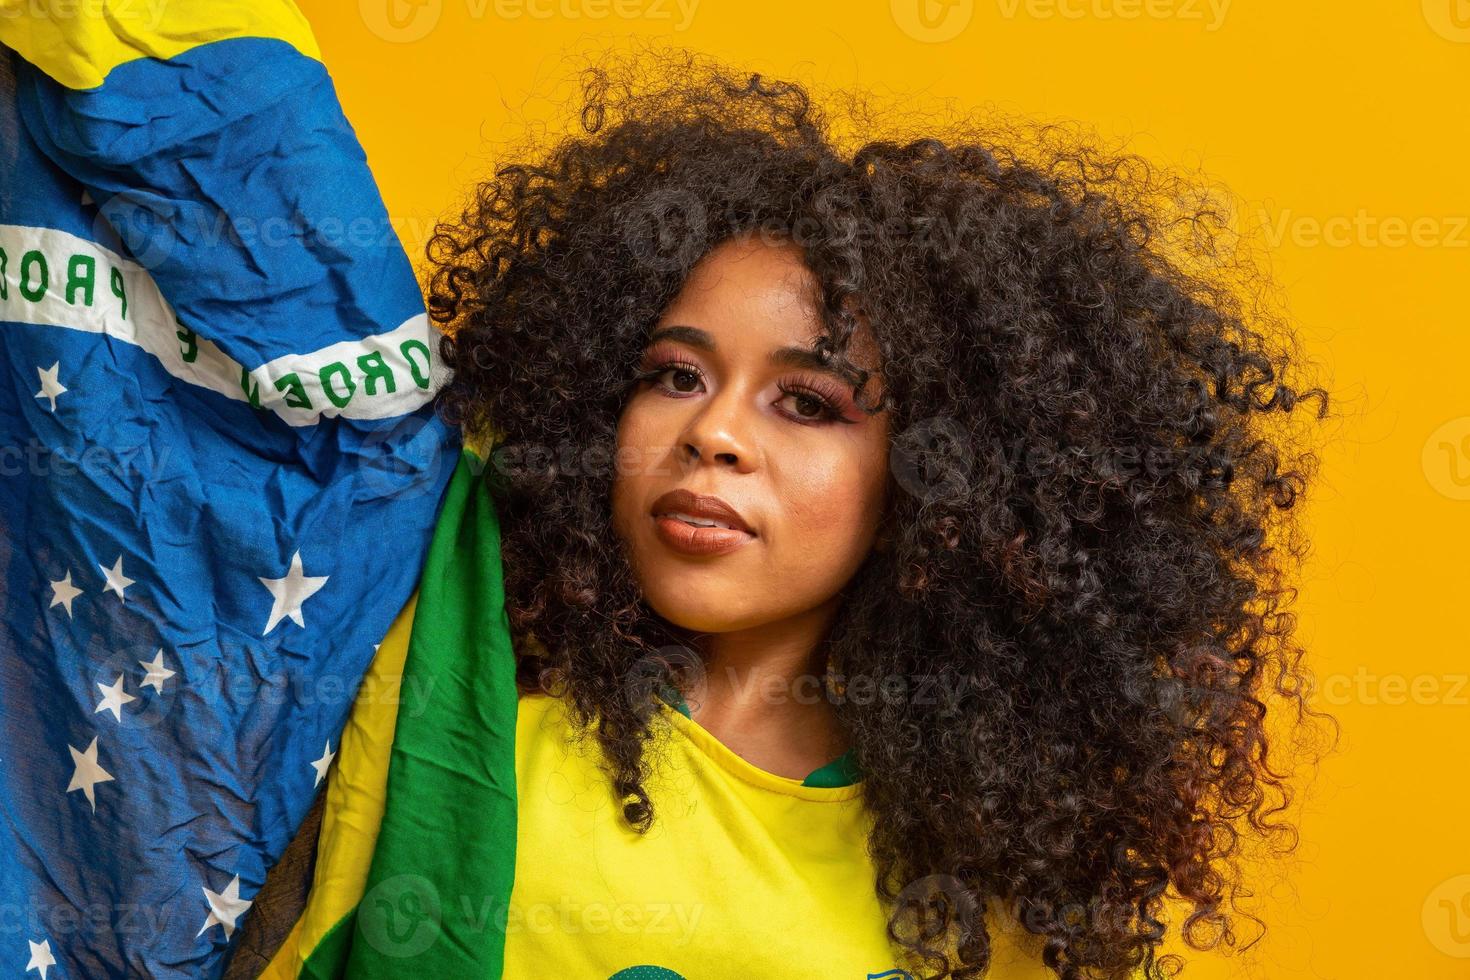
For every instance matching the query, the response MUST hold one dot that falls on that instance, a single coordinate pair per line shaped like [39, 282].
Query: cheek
[626, 464]
[639, 428]
[834, 499]
[637, 461]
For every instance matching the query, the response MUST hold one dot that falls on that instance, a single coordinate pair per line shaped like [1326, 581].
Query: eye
[811, 406]
[681, 371]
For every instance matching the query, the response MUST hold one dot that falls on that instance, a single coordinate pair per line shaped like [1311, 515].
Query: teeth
[698, 521]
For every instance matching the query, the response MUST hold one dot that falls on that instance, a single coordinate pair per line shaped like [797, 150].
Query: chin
[699, 613]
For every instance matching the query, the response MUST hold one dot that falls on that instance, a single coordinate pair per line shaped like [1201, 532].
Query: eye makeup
[831, 402]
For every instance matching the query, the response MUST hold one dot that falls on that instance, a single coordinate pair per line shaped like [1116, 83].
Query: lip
[691, 540]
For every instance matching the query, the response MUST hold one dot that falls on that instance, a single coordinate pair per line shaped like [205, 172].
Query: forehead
[752, 296]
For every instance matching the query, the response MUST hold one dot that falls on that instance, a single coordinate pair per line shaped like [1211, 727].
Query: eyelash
[824, 399]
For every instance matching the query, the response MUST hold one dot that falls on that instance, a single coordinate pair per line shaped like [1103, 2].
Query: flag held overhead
[222, 468]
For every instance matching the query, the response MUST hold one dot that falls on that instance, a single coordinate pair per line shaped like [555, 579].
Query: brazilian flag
[224, 486]
[416, 856]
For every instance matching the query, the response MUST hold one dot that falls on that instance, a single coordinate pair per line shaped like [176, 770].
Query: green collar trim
[841, 771]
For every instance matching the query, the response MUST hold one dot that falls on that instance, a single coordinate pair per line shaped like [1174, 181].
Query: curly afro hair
[1092, 531]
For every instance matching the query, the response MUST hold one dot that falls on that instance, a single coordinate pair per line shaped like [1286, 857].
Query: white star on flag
[116, 580]
[224, 907]
[63, 592]
[113, 698]
[157, 672]
[41, 958]
[50, 386]
[321, 764]
[289, 593]
[87, 773]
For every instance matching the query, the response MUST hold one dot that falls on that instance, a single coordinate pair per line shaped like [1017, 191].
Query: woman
[893, 534]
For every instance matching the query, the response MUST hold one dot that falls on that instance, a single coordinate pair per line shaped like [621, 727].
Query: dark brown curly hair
[1096, 463]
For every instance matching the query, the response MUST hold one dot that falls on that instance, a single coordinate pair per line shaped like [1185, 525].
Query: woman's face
[723, 418]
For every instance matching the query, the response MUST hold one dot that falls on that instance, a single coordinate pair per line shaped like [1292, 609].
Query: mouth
[698, 524]
[698, 540]
[700, 510]
[693, 521]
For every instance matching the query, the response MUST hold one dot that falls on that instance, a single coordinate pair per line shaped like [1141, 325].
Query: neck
[763, 693]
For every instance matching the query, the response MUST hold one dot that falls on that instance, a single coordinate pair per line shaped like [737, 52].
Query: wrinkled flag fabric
[221, 468]
[417, 851]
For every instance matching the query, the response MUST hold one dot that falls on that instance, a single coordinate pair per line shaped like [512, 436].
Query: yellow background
[1342, 129]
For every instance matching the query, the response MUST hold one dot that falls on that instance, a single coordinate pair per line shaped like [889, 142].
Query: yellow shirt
[744, 873]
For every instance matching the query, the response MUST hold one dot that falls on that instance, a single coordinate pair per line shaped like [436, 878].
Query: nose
[719, 432]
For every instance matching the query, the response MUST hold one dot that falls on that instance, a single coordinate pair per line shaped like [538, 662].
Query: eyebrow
[791, 357]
